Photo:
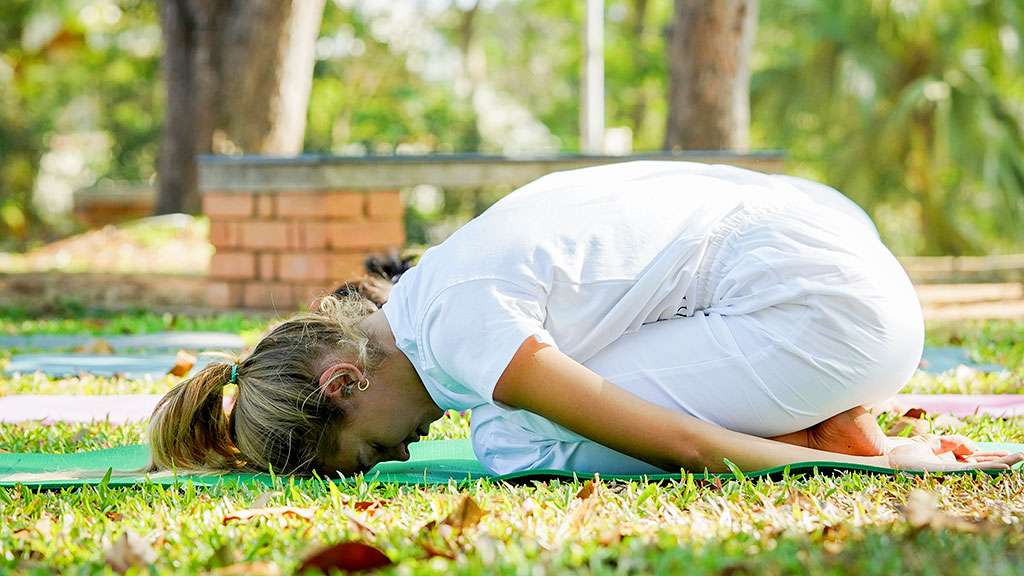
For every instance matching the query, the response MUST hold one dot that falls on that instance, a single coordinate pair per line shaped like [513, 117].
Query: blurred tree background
[914, 109]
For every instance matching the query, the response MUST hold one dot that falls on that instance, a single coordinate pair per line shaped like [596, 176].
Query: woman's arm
[543, 380]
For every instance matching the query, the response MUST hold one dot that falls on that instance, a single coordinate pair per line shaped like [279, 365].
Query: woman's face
[379, 424]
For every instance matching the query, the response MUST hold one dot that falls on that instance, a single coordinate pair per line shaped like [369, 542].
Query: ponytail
[281, 419]
[189, 429]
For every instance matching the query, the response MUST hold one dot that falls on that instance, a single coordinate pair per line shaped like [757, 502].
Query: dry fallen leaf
[915, 425]
[345, 557]
[465, 515]
[283, 511]
[98, 346]
[922, 511]
[433, 551]
[183, 364]
[371, 505]
[358, 523]
[129, 550]
[915, 413]
[115, 516]
[44, 526]
[586, 491]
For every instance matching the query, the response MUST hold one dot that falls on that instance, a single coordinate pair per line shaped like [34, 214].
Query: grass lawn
[823, 524]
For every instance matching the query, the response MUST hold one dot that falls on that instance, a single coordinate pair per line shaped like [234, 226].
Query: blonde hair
[281, 419]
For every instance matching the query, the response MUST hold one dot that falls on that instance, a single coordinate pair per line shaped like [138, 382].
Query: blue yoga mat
[939, 359]
[64, 365]
[157, 341]
[935, 360]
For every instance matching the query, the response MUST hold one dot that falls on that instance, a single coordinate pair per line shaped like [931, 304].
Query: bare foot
[854, 432]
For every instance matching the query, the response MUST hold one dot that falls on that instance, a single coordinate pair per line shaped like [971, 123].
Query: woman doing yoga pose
[628, 318]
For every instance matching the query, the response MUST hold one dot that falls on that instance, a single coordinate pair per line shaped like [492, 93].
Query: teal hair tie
[234, 374]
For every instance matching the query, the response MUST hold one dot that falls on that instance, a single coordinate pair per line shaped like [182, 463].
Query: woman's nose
[402, 452]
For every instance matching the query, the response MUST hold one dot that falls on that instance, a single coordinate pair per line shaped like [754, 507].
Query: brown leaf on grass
[586, 491]
[358, 523]
[114, 516]
[467, 513]
[915, 413]
[246, 569]
[922, 511]
[42, 527]
[282, 511]
[371, 505]
[433, 551]
[98, 346]
[915, 425]
[128, 550]
[183, 364]
[345, 557]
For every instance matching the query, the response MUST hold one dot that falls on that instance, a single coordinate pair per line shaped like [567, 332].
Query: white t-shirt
[576, 259]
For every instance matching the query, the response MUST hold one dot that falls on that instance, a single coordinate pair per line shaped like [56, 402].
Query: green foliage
[914, 109]
[902, 105]
[75, 319]
[801, 524]
[813, 523]
[67, 67]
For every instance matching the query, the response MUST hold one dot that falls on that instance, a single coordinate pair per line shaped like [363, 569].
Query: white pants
[803, 314]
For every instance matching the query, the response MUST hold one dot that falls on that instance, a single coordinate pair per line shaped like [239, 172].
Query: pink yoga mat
[117, 408]
[998, 405]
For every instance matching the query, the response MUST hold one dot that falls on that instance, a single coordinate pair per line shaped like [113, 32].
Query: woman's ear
[337, 380]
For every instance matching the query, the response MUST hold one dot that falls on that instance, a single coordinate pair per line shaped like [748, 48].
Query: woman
[634, 317]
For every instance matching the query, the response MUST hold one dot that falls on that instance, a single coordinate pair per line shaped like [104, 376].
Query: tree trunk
[238, 75]
[709, 66]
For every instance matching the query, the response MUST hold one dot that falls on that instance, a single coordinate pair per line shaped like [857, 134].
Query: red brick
[301, 204]
[345, 205]
[310, 235]
[306, 296]
[233, 265]
[304, 266]
[268, 267]
[265, 205]
[365, 235]
[266, 235]
[224, 294]
[345, 267]
[225, 234]
[384, 204]
[275, 295]
[228, 205]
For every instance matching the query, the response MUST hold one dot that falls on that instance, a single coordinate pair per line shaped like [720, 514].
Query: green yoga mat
[430, 462]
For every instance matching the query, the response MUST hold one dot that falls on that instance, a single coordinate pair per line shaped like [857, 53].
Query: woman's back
[576, 258]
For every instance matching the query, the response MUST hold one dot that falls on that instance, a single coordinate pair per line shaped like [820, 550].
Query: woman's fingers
[997, 463]
[983, 458]
[955, 443]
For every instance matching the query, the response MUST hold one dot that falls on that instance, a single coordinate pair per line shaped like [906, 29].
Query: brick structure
[289, 229]
[280, 249]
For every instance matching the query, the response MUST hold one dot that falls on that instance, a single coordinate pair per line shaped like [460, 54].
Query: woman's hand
[959, 446]
[935, 453]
